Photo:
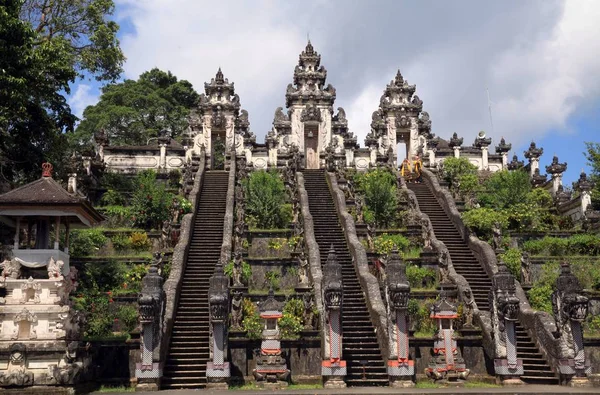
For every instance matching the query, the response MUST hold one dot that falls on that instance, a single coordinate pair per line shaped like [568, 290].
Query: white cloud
[537, 58]
[84, 96]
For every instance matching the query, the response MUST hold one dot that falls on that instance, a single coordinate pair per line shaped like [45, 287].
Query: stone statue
[165, 233]
[176, 210]
[426, 234]
[303, 270]
[55, 268]
[525, 269]
[237, 269]
[469, 307]
[443, 266]
[371, 233]
[358, 202]
[497, 236]
[236, 311]
[391, 160]
[309, 310]
[11, 269]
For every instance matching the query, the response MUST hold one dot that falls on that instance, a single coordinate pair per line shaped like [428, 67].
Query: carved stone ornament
[218, 296]
[503, 147]
[55, 268]
[455, 141]
[35, 287]
[332, 282]
[311, 114]
[151, 296]
[17, 374]
[538, 179]
[397, 282]
[533, 152]
[555, 167]
[515, 164]
[11, 269]
[583, 184]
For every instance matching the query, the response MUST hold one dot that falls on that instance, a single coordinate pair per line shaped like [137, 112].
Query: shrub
[455, 168]
[482, 220]
[121, 242]
[246, 270]
[174, 178]
[292, 321]
[128, 317]
[540, 294]
[505, 189]
[418, 312]
[381, 197]
[99, 320]
[151, 203]
[584, 244]
[117, 181]
[265, 194]
[85, 242]
[512, 259]
[272, 278]
[132, 277]
[117, 216]
[139, 241]
[99, 277]
[420, 277]
[252, 323]
[385, 243]
[112, 198]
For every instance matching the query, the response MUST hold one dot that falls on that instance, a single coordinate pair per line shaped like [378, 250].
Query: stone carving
[525, 268]
[11, 269]
[67, 372]
[217, 370]
[359, 205]
[280, 117]
[236, 310]
[25, 316]
[400, 367]
[308, 317]
[443, 266]
[371, 234]
[151, 305]
[311, 113]
[17, 374]
[570, 309]
[237, 268]
[497, 236]
[33, 285]
[426, 233]
[469, 307]
[505, 308]
[302, 270]
[515, 164]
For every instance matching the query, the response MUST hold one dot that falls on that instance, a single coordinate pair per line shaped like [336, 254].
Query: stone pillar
[446, 363]
[556, 170]
[505, 309]
[570, 308]
[503, 149]
[271, 141]
[533, 155]
[149, 370]
[333, 368]
[484, 157]
[72, 183]
[17, 233]
[483, 144]
[217, 369]
[456, 152]
[163, 141]
[400, 367]
[584, 186]
[101, 139]
[456, 143]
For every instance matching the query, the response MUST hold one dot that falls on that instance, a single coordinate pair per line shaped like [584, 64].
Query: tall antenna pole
[490, 109]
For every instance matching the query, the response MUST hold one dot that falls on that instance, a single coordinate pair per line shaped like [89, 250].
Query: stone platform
[525, 390]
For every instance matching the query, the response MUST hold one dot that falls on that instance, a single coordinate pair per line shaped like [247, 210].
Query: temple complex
[328, 285]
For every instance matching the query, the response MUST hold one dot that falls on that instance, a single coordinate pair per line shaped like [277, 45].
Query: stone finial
[515, 164]
[397, 282]
[218, 295]
[583, 184]
[332, 281]
[424, 125]
[503, 147]
[47, 169]
[455, 141]
[481, 141]
[219, 77]
[533, 152]
[538, 179]
[555, 167]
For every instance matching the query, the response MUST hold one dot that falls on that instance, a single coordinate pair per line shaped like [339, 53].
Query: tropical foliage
[266, 205]
[381, 198]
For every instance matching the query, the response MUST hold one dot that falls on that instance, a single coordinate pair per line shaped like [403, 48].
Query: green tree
[592, 154]
[83, 26]
[505, 189]
[44, 46]
[453, 169]
[266, 200]
[131, 112]
[151, 203]
[381, 198]
[33, 112]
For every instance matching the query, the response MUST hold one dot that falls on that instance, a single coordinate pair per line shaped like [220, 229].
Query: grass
[427, 384]
[412, 253]
[305, 386]
[480, 384]
[245, 387]
[284, 292]
[119, 389]
[424, 334]
[254, 387]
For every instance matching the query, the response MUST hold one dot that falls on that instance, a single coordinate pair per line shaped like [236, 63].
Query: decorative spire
[583, 184]
[47, 169]
[533, 152]
[555, 167]
[537, 179]
[481, 141]
[455, 141]
[515, 164]
[503, 147]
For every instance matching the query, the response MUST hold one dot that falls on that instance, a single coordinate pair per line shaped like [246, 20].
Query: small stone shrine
[446, 362]
[505, 310]
[39, 330]
[570, 308]
[400, 367]
[271, 369]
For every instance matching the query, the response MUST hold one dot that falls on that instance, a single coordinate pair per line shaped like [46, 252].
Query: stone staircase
[189, 348]
[365, 364]
[537, 369]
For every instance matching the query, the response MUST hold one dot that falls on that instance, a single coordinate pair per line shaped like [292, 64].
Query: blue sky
[538, 59]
